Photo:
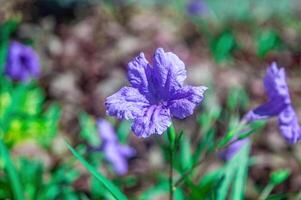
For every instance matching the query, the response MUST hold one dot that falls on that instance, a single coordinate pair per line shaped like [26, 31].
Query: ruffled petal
[139, 72]
[289, 126]
[185, 100]
[169, 71]
[275, 83]
[155, 120]
[127, 103]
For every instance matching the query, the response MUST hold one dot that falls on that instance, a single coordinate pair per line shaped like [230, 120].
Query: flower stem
[266, 191]
[171, 137]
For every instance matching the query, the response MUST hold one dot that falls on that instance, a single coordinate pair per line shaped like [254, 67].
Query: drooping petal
[139, 73]
[289, 126]
[127, 103]
[185, 100]
[155, 120]
[270, 109]
[168, 71]
[106, 131]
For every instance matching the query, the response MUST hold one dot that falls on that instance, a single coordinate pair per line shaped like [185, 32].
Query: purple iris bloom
[278, 104]
[196, 7]
[115, 153]
[22, 62]
[233, 148]
[157, 93]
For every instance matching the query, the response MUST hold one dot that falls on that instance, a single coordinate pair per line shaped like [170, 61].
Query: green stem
[171, 137]
[171, 187]
[266, 191]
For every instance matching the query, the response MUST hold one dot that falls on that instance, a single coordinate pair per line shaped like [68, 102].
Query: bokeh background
[84, 47]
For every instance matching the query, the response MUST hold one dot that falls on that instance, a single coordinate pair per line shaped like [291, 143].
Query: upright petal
[289, 126]
[169, 71]
[127, 103]
[185, 100]
[275, 83]
[139, 73]
[155, 120]
[32, 62]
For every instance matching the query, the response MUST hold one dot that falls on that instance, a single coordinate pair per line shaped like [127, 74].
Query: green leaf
[185, 153]
[241, 175]
[222, 46]
[88, 129]
[5, 29]
[235, 173]
[160, 189]
[237, 98]
[11, 172]
[106, 182]
[266, 41]
[279, 176]
[123, 131]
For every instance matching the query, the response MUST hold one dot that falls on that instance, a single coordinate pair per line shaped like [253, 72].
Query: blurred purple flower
[196, 7]
[115, 153]
[232, 149]
[278, 104]
[156, 95]
[22, 62]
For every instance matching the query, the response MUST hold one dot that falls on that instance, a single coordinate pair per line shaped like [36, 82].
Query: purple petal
[33, 63]
[22, 62]
[106, 131]
[169, 71]
[127, 103]
[267, 110]
[196, 8]
[275, 83]
[113, 155]
[278, 94]
[138, 73]
[233, 148]
[289, 126]
[127, 151]
[155, 120]
[185, 100]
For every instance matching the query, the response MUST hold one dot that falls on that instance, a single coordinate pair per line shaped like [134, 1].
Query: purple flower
[22, 62]
[233, 148]
[156, 94]
[196, 7]
[278, 104]
[115, 153]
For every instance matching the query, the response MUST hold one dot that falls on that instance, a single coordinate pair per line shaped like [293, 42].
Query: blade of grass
[106, 182]
[11, 172]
